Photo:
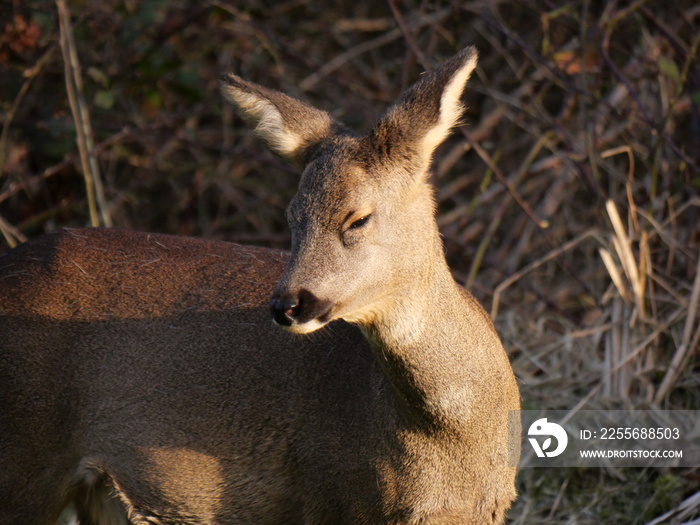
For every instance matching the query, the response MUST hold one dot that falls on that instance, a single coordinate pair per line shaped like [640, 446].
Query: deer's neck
[439, 351]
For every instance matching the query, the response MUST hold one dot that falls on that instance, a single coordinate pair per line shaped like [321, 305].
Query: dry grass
[569, 203]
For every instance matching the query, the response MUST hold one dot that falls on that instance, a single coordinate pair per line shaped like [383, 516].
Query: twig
[15, 188]
[536, 264]
[11, 233]
[313, 79]
[9, 117]
[81, 117]
[542, 224]
[656, 161]
[410, 39]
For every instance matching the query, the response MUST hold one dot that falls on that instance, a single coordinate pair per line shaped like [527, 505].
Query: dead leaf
[570, 62]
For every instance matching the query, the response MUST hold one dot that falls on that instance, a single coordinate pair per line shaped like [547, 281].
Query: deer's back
[107, 274]
[154, 358]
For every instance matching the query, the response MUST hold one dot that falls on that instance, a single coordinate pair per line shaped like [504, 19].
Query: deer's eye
[359, 223]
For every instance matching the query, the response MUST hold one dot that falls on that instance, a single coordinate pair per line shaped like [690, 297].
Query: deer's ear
[425, 114]
[289, 127]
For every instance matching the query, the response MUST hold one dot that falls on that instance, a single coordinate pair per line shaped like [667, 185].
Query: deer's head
[364, 237]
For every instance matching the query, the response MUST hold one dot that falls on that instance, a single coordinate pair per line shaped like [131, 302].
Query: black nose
[284, 311]
[288, 308]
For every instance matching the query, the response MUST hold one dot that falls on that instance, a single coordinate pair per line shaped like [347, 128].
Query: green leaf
[98, 76]
[104, 99]
[669, 68]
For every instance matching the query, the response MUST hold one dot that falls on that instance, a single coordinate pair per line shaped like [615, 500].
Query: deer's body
[140, 375]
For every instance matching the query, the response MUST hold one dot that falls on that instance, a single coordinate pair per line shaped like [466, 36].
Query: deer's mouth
[306, 328]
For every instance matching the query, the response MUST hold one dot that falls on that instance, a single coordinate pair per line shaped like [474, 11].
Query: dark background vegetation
[568, 203]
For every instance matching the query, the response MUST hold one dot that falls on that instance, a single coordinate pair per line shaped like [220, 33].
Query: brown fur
[141, 377]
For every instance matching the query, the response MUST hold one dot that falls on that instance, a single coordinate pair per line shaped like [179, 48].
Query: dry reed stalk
[623, 247]
[689, 508]
[689, 341]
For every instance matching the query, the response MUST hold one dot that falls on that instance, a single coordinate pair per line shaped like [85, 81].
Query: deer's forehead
[332, 183]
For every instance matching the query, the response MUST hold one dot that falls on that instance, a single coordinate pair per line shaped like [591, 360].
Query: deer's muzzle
[302, 308]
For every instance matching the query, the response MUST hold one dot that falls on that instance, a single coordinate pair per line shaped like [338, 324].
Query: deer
[143, 379]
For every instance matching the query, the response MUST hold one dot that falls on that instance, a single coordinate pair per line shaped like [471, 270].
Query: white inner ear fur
[451, 108]
[270, 125]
